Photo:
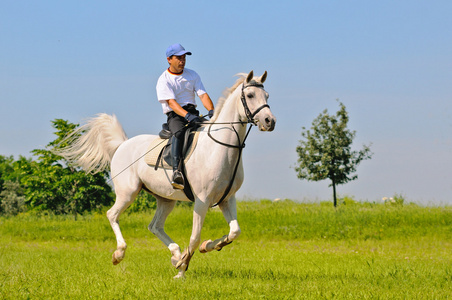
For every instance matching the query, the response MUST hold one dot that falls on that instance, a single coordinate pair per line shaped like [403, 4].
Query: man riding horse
[176, 89]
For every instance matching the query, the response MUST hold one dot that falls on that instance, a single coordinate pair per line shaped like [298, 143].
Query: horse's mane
[226, 93]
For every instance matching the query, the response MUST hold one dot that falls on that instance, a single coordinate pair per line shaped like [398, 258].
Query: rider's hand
[210, 114]
[192, 118]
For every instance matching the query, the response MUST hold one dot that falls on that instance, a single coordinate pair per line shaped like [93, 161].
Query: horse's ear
[249, 77]
[263, 77]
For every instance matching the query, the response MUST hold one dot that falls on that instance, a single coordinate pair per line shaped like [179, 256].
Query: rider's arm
[205, 99]
[176, 107]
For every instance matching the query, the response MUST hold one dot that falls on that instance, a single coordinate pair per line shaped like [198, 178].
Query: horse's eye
[250, 95]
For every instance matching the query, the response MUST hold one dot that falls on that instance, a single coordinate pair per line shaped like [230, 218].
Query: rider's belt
[188, 107]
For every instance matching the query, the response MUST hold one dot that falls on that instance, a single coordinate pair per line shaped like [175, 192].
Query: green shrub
[347, 200]
[396, 200]
[143, 203]
[12, 199]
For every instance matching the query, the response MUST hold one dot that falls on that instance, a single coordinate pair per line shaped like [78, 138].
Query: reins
[241, 145]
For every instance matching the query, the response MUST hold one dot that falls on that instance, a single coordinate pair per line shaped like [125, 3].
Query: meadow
[286, 250]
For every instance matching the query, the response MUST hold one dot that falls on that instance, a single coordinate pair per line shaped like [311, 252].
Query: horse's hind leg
[122, 202]
[229, 210]
[164, 208]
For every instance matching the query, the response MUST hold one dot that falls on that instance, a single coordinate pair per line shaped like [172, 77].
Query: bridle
[249, 116]
[241, 144]
[248, 113]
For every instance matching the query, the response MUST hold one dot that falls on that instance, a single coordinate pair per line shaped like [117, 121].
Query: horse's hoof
[117, 257]
[114, 260]
[203, 247]
[182, 266]
[184, 261]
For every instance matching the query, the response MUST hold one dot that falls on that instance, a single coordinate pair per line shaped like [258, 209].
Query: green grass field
[286, 251]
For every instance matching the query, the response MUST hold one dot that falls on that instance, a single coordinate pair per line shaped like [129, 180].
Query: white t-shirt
[181, 87]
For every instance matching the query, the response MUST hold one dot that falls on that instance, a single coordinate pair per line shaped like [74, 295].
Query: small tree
[326, 151]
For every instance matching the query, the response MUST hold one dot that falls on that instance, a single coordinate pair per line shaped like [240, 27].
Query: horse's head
[254, 100]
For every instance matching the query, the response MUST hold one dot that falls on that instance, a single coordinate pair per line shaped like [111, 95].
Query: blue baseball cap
[176, 49]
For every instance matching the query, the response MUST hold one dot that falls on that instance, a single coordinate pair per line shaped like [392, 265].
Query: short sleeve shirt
[180, 87]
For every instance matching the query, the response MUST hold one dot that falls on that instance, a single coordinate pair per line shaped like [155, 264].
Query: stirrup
[178, 180]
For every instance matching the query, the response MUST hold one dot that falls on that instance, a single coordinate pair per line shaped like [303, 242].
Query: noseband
[248, 113]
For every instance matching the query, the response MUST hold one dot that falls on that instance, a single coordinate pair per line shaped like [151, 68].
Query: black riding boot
[176, 153]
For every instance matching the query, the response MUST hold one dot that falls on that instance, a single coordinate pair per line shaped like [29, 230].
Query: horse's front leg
[199, 214]
[229, 209]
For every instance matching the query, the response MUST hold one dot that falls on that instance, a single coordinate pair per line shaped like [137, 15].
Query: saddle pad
[156, 147]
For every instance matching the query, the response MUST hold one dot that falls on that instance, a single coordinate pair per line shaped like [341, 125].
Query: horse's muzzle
[267, 122]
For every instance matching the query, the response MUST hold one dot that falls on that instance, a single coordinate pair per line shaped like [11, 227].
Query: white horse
[214, 169]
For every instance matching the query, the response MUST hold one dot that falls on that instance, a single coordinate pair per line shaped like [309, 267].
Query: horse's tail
[92, 145]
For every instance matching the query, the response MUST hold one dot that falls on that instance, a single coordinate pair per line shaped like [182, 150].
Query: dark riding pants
[177, 123]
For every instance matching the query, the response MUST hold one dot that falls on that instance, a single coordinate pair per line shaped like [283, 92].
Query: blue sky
[389, 62]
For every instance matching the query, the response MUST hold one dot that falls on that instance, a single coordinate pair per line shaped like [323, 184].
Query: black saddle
[165, 133]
